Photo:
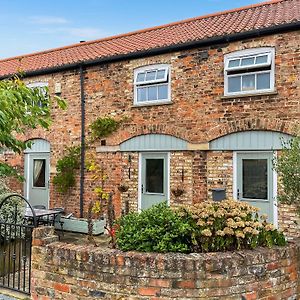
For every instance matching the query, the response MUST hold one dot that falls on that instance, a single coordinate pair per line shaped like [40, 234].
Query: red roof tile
[259, 16]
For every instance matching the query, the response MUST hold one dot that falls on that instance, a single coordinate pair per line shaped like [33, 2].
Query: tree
[22, 108]
[287, 165]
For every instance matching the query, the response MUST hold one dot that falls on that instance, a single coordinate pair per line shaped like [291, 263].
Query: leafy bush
[12, 211]
[158, 229]
[230, 225]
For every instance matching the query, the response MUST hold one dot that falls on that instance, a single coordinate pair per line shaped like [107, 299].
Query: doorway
[154, 179]
[255, 181]
[37, 173]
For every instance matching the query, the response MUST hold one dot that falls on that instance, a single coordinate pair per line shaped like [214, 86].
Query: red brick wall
[198, 113]
[64, 271]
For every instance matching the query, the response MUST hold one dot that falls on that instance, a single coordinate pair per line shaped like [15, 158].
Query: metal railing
[15, 243]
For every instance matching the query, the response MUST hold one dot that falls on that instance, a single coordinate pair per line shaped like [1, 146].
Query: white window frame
[155, 82]
[248, 53]
[38, 84]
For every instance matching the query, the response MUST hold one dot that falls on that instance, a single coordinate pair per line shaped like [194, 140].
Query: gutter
[82, 140]
[172, 48]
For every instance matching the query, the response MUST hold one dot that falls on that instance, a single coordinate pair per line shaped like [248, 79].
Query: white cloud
[46, 20]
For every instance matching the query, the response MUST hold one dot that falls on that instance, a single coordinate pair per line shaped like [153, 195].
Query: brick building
[204, 104]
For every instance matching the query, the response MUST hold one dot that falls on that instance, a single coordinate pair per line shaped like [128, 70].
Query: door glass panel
[154, 176]
[39, 169]
[255, 178]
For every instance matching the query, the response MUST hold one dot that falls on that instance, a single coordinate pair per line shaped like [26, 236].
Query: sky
[32, 25]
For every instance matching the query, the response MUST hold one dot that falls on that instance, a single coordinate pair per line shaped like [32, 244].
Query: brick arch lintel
[153, 129]
[288, 127]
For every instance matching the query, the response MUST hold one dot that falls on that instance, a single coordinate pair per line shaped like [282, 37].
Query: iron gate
[15, 243]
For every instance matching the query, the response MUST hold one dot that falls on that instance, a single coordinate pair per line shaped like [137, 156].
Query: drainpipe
[82, 154]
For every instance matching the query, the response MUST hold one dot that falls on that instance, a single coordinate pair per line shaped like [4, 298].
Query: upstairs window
[249, 71]
[42, 88]
[152, 85]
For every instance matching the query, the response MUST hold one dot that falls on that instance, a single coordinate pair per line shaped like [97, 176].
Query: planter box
[81, 225]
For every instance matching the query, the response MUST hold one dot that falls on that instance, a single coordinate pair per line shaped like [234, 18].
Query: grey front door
[255, 181]
[154, 179]
[37, 178]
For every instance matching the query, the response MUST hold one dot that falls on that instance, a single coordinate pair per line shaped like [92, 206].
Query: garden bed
[63, 270]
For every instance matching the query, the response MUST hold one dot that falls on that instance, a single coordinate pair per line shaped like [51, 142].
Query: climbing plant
[287, 164]
[103, 127]
[66, 169]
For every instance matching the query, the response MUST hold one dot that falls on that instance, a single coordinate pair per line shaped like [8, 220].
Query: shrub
[158, 229]
[229, 225]
[206, 227]
[12, 211]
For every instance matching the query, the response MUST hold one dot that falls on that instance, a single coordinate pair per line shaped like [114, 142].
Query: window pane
[152, 93]
[261, 59]
[234, 84]
[247, 61]
[39, 168]
[141, 94]
[150, 75]
[140, 77]
[155, 176]
[163, 92]
[160, 74]
[234, 63]
[248, 82]
[255, 178]
[263, 81]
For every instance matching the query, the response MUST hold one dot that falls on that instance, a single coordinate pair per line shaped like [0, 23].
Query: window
[152, 85]
[42, 88]
[249, 71]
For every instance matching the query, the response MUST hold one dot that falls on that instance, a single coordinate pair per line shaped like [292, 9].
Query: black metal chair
[41, 220]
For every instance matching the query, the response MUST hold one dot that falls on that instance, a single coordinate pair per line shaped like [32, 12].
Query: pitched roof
[258, 16]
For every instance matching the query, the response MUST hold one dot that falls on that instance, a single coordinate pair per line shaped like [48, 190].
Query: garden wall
[65, 271]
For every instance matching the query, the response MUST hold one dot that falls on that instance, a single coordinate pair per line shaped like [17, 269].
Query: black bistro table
[43, 216]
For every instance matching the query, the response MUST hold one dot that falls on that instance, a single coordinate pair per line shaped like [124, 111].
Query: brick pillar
[42, 236]
[200, 177]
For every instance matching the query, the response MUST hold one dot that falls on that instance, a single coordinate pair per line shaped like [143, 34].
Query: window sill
[249, 95]
[152, 104]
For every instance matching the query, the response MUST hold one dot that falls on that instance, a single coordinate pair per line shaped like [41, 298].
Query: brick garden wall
[64, 271]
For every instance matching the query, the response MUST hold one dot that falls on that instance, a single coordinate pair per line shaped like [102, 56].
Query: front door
[37, 178]
[255, 181]
[154, 179]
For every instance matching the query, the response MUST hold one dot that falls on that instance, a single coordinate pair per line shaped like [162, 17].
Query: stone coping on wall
[67, 271]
